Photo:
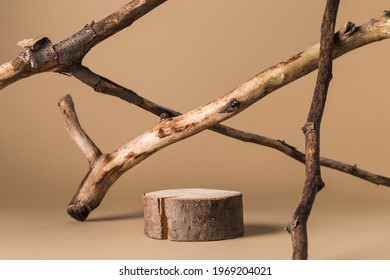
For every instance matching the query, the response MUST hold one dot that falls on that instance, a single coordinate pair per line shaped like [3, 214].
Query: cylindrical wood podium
[193, 214]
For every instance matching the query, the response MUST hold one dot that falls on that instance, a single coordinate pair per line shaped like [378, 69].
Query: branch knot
[308, 127]
[292, 225]
[348, 29]
[232, 106]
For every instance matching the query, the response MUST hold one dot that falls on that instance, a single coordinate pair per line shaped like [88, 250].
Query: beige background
[183, 55]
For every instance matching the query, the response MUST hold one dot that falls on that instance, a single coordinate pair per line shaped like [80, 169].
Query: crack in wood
[163, 216]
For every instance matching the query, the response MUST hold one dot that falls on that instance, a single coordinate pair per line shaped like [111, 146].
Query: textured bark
[193, 214]
[313, 183]
[66, 56]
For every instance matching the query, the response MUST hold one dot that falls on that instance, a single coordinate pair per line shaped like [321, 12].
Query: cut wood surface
[193, 214]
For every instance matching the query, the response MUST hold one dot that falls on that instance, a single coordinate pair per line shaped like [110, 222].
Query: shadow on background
[117, 217]
[262, 229]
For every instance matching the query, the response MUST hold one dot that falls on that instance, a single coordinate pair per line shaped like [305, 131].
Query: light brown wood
[193, 214]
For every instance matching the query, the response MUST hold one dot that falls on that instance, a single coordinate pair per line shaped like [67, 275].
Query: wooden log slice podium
[193, 214]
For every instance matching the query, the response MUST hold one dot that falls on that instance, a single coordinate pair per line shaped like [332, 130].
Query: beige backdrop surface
[183, 55]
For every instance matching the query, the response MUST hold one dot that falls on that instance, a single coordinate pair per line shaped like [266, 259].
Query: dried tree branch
[313, 183]
[64, 57]
[104, 85]
[123, 18]
[292, 152]
[108, 168]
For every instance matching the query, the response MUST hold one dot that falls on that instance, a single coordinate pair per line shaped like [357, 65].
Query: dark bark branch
[123, 18]
[67, 55]
[313, 183]
[292, 152]
[106, 86]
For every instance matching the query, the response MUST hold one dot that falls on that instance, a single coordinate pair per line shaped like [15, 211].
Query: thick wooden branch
[313, 183]
[100, 178]
[104, 85]
[67, 55]
[43, 56]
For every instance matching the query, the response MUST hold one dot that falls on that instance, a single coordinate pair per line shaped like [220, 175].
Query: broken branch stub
[76, 132]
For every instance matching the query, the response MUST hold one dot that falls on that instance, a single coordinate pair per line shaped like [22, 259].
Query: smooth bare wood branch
[313, 182]
[76, 132]
[97, 181]
[104, 85]
[346, 39]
